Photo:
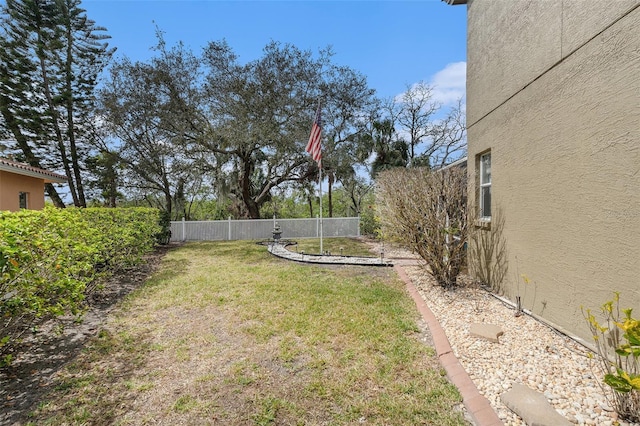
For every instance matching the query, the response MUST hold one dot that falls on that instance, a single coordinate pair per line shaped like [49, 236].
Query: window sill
[483, 223]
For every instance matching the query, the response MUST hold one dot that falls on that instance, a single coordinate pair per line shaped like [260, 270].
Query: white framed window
[485, 186]
[23, 200]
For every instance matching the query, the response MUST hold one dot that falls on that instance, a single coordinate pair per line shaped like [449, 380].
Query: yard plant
[617, 340]
[50, 260]
[426, 211]
[225, 333]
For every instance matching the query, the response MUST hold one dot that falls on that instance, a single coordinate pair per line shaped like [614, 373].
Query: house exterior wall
[553, 91]
[11, 184]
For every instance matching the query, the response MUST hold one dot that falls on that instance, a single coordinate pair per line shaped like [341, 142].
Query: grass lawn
[336, 246]
[227, 334]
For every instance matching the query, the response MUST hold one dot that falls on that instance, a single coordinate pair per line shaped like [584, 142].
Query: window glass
[486, 201]
[485, 185]
[23, 200]
[485, 167]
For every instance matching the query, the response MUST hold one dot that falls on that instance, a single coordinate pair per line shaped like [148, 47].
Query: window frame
[23, 200]
[483, 186]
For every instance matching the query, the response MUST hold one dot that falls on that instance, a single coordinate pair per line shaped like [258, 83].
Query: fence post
[184, 230]
[229, 220]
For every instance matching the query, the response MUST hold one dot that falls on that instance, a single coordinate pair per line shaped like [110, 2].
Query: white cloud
[449, 84]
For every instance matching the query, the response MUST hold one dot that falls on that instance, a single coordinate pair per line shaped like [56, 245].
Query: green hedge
[50, 258]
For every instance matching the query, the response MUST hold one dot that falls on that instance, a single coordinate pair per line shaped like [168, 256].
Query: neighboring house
[553, 130]
[22, 186]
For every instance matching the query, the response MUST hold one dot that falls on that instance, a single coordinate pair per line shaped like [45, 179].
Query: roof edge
[27, 170]
[460, 162]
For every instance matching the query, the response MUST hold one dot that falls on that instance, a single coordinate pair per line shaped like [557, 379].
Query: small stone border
[279, 249]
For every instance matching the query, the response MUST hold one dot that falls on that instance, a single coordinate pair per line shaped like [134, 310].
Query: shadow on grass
[278, 343]
[58, 343]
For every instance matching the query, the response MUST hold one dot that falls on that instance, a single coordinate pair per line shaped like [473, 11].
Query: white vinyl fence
[260, 229]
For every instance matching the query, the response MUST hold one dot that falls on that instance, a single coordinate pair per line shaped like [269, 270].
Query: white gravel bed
[529, 353]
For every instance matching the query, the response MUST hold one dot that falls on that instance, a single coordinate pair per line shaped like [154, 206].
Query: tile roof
[27, 170]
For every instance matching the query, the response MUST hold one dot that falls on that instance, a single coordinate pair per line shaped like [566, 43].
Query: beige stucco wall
[12, 184]
[512, 42]
[565, 144]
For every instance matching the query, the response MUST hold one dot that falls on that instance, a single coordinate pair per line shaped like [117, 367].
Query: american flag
[314, 147]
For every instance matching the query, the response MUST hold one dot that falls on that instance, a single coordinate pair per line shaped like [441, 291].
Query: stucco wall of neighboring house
[565, 148]
[12, 184]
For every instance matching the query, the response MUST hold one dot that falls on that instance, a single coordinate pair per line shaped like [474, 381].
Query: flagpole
[314, 147]
[320, 184]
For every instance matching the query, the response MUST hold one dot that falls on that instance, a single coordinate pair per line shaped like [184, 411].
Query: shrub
[427, 212]
[617, 341]
[49, 258]
[487, 249]
[122, 236]
[369, 222]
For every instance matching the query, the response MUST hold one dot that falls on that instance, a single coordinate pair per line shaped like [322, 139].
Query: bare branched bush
[427, 212]
[487, 250]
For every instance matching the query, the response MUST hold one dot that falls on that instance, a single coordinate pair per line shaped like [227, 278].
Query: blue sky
[393, 43]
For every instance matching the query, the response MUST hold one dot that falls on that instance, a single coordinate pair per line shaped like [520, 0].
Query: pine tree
[85, 56]
[52, 55]
[20, 106]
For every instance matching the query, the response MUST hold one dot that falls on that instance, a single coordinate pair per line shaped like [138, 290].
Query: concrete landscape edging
[477, 405]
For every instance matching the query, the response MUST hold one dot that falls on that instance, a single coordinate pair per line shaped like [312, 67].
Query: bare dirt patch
[43, 354]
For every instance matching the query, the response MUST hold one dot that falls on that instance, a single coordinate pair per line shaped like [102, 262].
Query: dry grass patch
[335, 246]
[226, 334]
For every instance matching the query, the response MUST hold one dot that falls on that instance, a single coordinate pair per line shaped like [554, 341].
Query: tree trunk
[253, 209]
[310, 202]
[355, 204]
[58, 133]
[166, 190]
[71, 130]
[168, 201]
[53, 194]
[112, 199]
